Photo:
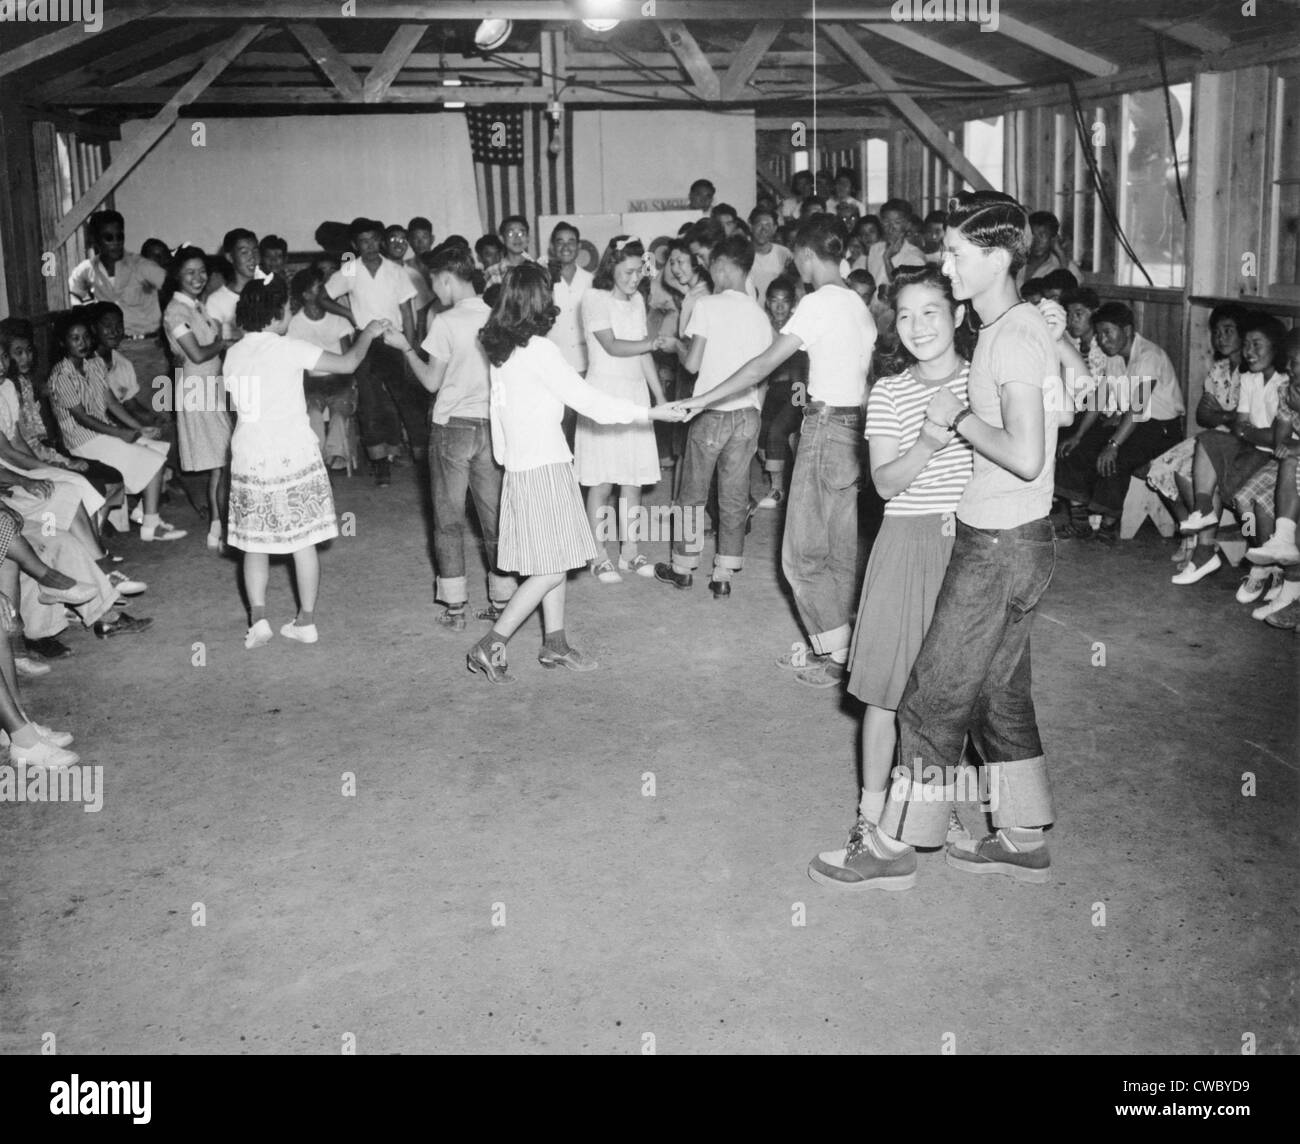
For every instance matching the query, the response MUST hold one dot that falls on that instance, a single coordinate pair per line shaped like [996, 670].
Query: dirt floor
[628, 916]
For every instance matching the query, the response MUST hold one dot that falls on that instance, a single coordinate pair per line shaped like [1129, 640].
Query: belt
[141, 337]
[838, 410]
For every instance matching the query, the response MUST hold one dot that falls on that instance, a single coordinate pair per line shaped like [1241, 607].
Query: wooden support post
[684, 46]
[929, 131]
[154, 130]
[746, 60]
[403, 43]
[45, 147]
[326, 57]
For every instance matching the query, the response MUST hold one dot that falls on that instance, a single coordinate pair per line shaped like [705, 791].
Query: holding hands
[1054, 314]
[943, 407]
[376, 328]
[672, 411]
[395, 338]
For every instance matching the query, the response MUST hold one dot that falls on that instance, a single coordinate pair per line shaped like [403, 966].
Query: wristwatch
[958, 419]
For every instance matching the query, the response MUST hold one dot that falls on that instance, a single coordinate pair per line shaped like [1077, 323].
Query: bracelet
[958, 419]
[1112, 444]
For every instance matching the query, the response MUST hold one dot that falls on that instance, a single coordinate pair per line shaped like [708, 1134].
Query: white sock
[1285, 531]
[214, 529]
[841, 656]
[1290, 591]
[872, 804]
[1025, 837]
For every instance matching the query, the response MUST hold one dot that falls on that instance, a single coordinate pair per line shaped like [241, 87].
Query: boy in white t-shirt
[337, 393]
[376, 287]
[726, 329]
[460, 436]
[819, 554]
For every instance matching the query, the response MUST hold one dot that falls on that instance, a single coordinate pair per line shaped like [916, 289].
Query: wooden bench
[1142, 502]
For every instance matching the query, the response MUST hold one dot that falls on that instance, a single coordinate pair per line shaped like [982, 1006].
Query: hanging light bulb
[595, 14]
[601, 25]
[492, 34]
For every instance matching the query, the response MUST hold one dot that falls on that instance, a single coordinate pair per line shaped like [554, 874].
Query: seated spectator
[1046, 251]
[1271, 498]
[1135, 416]
[1080, 304]
[1224, 462]
[1170, 474]
[325, 391]
[106, 326]
[1057, 284]
[96, 427]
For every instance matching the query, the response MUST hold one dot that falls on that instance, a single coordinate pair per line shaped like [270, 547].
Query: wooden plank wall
[20, 223]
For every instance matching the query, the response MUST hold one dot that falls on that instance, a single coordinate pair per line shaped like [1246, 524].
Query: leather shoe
[721, 589]
[665, 574]
[124, 625]
[476, 659]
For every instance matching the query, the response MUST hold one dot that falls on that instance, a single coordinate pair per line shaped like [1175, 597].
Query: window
[876, 188]
[1284, 274]
[1148, 186]
[983, 145]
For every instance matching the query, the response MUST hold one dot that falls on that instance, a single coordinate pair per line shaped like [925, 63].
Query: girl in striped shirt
[921, 469]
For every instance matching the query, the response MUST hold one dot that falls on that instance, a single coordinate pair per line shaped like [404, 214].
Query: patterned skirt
[543, 527]
[280, 498]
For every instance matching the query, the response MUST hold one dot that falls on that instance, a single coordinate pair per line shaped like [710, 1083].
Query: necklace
[984, 325]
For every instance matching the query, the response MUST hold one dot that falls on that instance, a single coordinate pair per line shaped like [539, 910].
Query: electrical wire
[1107, 207]
[1169, 119]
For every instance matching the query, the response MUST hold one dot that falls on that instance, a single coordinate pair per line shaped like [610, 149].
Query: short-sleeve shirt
[69, 387]
[1259, 399]
[327, 332]
[1223, 383]
[379, 295]
[908, 255]
[896, 408]
[769, 267]
[735, 330]
[263, 377]
[10, 408]
[625, 319]
[836, 328]
[220, 306]
[1016, 348]
[186, 315]
[1146, 384]
[453, 338]
[133, 285]
[121, 377]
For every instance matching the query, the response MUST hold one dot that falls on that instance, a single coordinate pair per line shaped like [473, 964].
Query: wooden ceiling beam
[127, 157]
[70, 35]
[1050, 45]
[929, 131]
[563, 11]
[326, 57]
[395, 57]
[694, 63]
[958, 61]
[746, 61]
[1188, 32]
[137, 53]
[155, 77]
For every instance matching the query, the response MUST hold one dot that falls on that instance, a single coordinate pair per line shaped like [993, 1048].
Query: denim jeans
[819, 553]
[461, 462]
[727, 441]
[973, 676]
[388, 400]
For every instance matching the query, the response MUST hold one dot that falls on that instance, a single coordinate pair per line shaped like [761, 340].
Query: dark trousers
[1077, 478]
[973, 676]
[388, 400]
[721, 441]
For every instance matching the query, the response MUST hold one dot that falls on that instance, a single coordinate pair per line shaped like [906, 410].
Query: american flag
[514, 169]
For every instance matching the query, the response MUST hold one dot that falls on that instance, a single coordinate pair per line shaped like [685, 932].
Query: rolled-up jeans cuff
[733, 563]
[684, 565]
[501, 588]
[837, 639]
[452, 590]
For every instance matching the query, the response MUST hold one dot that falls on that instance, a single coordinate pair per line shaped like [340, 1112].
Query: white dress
[615, 454]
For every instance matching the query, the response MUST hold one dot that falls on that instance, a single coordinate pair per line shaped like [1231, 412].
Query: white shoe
[1275, 605]
[259, 635]
[604, 571]
[137, 514]
[76, 595]
[30, 668]
[214, 541]
[55, 738]
[44, 754]
[305, 634]
[772, 500]
[1274, 551]
[639, 565]
[125, 586]
[1191, 574]
[1198, 521]
[162, 531]
[1253, 585]
[1278, 581]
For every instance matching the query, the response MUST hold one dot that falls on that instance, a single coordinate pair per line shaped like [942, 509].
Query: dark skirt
[544, 527]
[904, 574]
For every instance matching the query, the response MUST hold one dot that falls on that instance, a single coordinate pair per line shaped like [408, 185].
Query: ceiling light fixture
[492, 34]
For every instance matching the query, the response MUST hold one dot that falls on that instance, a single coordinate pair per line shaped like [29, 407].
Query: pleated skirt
[904, 574]
[543, 526]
